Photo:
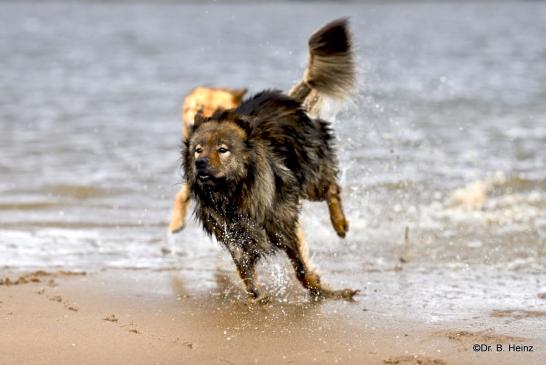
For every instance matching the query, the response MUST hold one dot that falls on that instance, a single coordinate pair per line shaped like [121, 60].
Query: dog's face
[217, 153]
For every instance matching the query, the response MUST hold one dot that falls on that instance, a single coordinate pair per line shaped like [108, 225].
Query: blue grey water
[451, 96]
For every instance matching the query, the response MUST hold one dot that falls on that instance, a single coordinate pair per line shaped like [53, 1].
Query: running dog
[248, 167]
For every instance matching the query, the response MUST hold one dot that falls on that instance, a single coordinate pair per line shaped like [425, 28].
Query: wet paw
[260, 300]
[342, 227]
[264, 299]
[177, 223]
[339, 222]
[345, 294]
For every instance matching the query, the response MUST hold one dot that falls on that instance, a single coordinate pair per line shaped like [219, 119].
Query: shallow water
[89, 114]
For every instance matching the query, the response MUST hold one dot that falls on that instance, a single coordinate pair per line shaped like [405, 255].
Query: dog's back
[302, 144]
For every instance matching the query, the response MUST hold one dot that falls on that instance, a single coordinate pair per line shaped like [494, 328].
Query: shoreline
[125, 316]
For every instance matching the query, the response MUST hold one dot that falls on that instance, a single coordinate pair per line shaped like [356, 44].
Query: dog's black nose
[201, 163]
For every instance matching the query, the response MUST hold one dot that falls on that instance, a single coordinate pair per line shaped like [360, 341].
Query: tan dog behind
[206, 100]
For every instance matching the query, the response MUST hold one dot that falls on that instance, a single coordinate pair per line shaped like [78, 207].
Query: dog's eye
[198, 149]
[222, 150]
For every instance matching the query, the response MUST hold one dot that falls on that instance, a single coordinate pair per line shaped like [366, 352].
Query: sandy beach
[144, 317]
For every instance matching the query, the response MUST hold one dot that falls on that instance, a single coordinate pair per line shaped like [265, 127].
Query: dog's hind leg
[308, 278]
[180, 206]
[337, 216]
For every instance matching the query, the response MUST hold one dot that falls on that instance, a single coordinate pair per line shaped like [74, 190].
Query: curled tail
[331, 69]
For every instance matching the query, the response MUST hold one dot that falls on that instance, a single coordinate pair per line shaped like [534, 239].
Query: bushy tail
[331, 69]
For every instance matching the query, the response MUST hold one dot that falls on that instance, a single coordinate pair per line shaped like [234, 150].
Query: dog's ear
[238, 95]
[198, 119]
[245, 124]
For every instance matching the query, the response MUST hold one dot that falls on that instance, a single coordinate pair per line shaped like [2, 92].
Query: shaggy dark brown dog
[249, 167]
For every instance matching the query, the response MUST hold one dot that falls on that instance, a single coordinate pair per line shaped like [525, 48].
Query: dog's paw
[347, 294]
[339, 222]
[344, 294]
[177, 224]
[260, 300]
[342, 227]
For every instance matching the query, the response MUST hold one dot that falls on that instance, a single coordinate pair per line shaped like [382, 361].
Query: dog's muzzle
[202, 167]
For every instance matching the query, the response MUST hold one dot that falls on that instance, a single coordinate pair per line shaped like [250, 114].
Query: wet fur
[249, 197]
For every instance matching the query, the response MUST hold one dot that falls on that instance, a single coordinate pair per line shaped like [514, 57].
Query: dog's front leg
[246, 264]
[244, 240]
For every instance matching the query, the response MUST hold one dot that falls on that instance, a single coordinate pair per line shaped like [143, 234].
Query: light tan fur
[180, 207]
[206, 100]
[303, 248]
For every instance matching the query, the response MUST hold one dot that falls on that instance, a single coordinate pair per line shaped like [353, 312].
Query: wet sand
[143, 317]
